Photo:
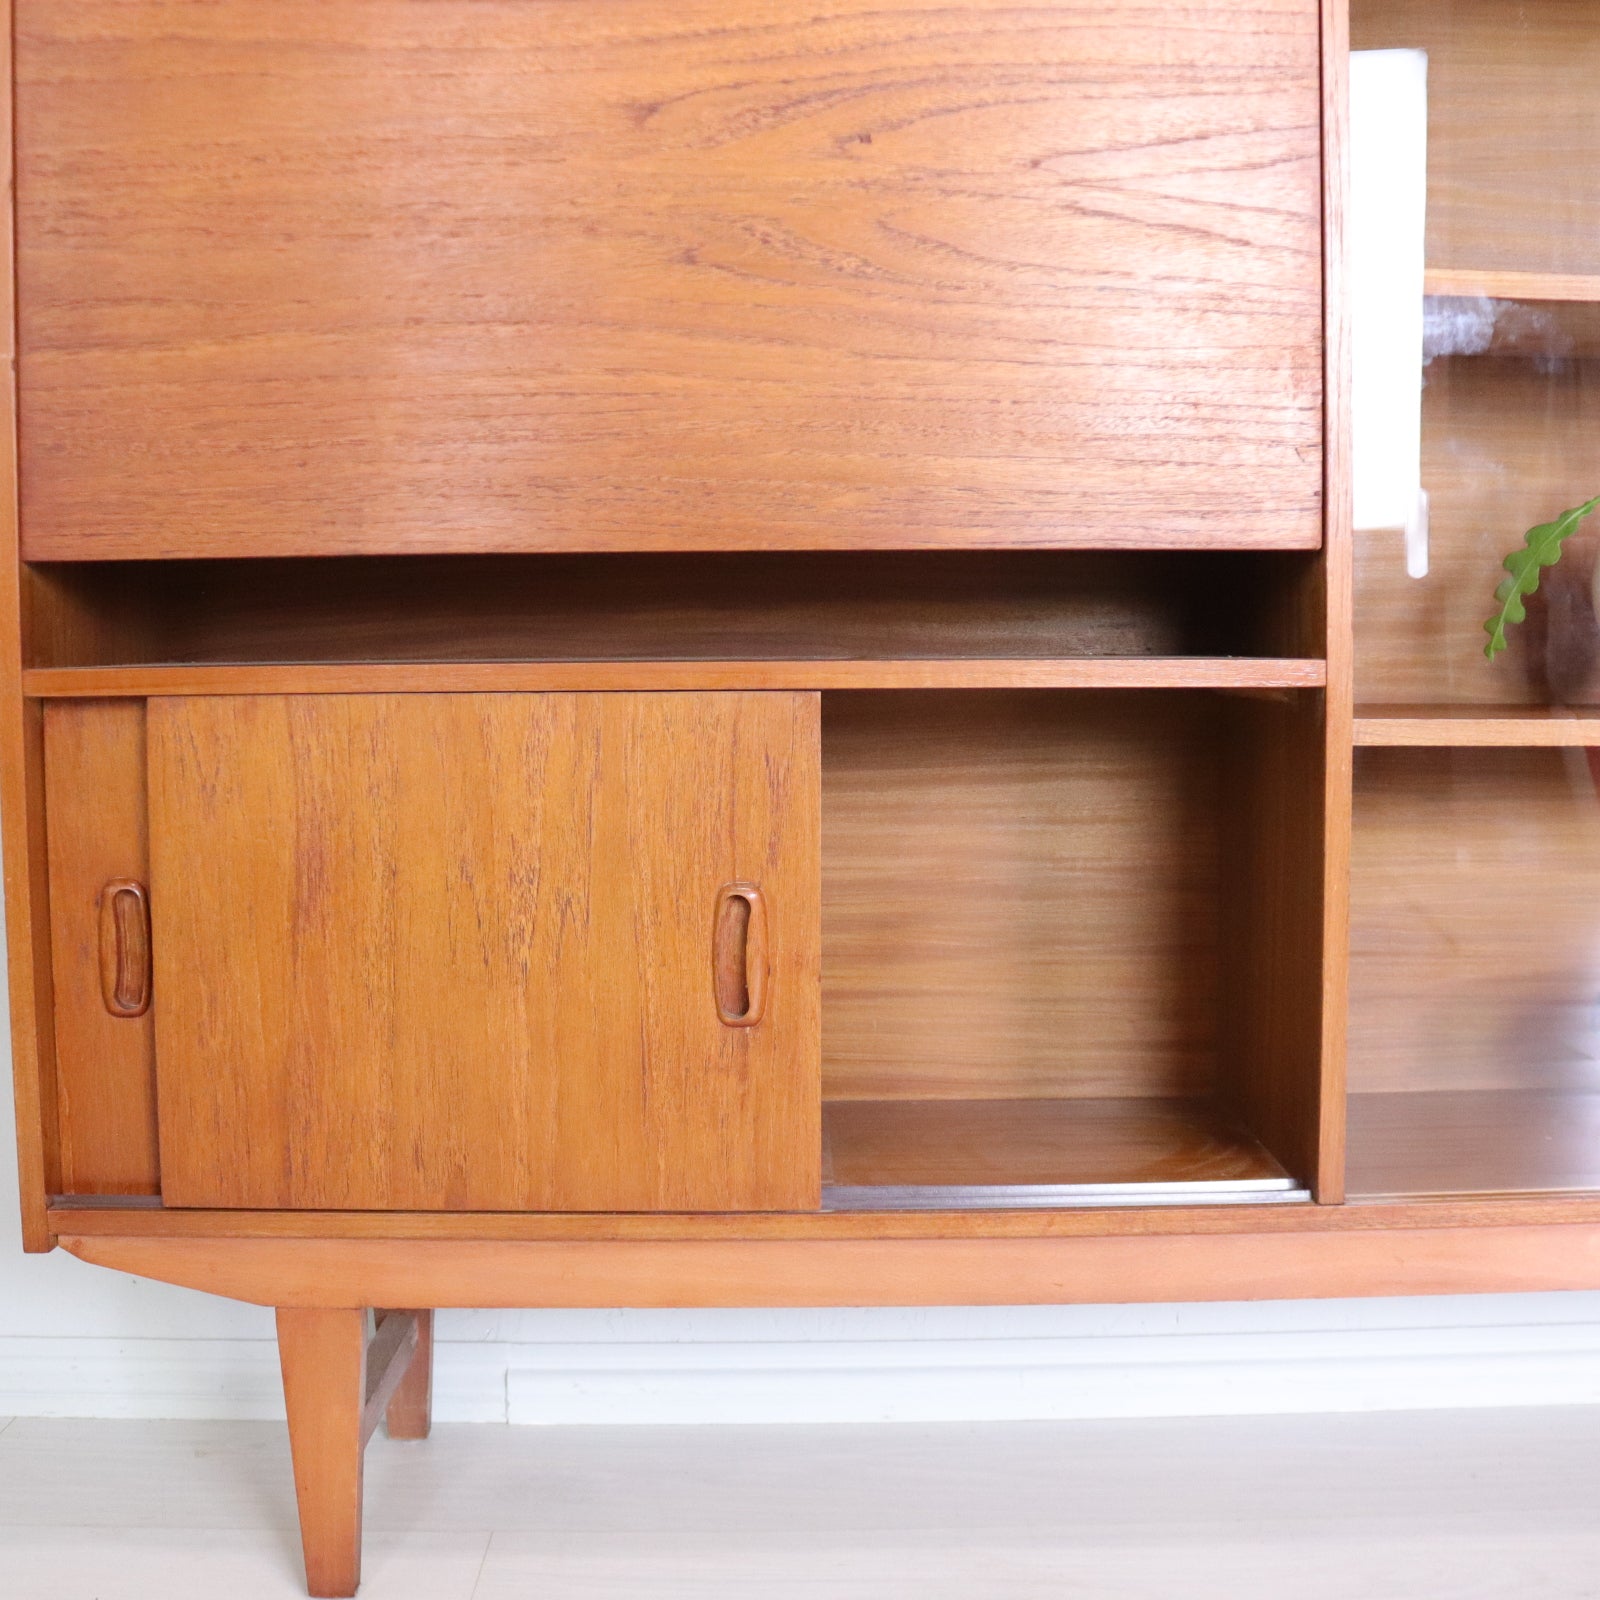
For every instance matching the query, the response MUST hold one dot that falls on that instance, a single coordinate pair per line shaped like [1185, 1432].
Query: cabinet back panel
[1513, 128]
[1475, 921]
[1020, 895]
[310, 276]
[742, 606]
[94, 764]
[455, 951]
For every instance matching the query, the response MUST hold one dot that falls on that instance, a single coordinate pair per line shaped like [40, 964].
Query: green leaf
[1541, 549]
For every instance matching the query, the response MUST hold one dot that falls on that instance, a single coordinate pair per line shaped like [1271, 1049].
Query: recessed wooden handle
[739, 955]
[125, 948]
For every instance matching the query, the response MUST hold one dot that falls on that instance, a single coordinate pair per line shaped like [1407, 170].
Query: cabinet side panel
[22, 774]
[105, 1064]
[455, 951]
[307, 278]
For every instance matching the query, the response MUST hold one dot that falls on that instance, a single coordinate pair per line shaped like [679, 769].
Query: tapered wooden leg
[410, 1413]
[324, 1359]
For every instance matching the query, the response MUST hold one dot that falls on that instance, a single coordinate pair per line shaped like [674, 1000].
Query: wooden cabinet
[707, 654]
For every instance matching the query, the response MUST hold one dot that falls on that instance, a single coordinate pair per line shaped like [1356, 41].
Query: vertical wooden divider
[1337, 568]
[1287, 840]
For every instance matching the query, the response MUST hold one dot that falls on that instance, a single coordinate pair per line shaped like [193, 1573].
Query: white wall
[81, 1341]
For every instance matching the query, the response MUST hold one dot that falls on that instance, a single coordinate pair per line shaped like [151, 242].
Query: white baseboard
[854, 1380]
[194, 1379]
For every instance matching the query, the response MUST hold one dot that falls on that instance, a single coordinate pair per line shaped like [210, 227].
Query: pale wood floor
[1423, 1506]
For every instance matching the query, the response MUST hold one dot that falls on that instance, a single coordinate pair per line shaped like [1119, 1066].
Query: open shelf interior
[1046, 950]
[1475, 964]
[743, 607]
[956, 1154]
[1070, 948]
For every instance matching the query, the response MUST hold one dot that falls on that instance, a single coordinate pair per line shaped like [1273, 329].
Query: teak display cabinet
[705, 655]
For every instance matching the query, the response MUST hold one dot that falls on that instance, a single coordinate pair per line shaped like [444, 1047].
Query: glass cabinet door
[1475, 986]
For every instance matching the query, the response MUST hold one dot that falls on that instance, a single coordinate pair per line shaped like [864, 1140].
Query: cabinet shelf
[1130, 672]
[1448, 726]
[1009, 1154]
[1498, 283]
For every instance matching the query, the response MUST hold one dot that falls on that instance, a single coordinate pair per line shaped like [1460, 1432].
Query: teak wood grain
[455, 951]
[302, 278]
[94, 757]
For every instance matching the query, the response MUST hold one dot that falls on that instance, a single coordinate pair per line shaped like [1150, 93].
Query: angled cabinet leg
[410, 1413]
[324, 1359]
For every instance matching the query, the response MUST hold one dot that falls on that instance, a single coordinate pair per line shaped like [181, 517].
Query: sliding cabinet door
[487, 952]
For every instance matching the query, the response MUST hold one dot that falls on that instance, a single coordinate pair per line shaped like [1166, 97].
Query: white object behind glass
[1388, 214]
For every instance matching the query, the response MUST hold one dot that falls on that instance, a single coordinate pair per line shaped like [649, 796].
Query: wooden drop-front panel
[306, 277]
[455, 951]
